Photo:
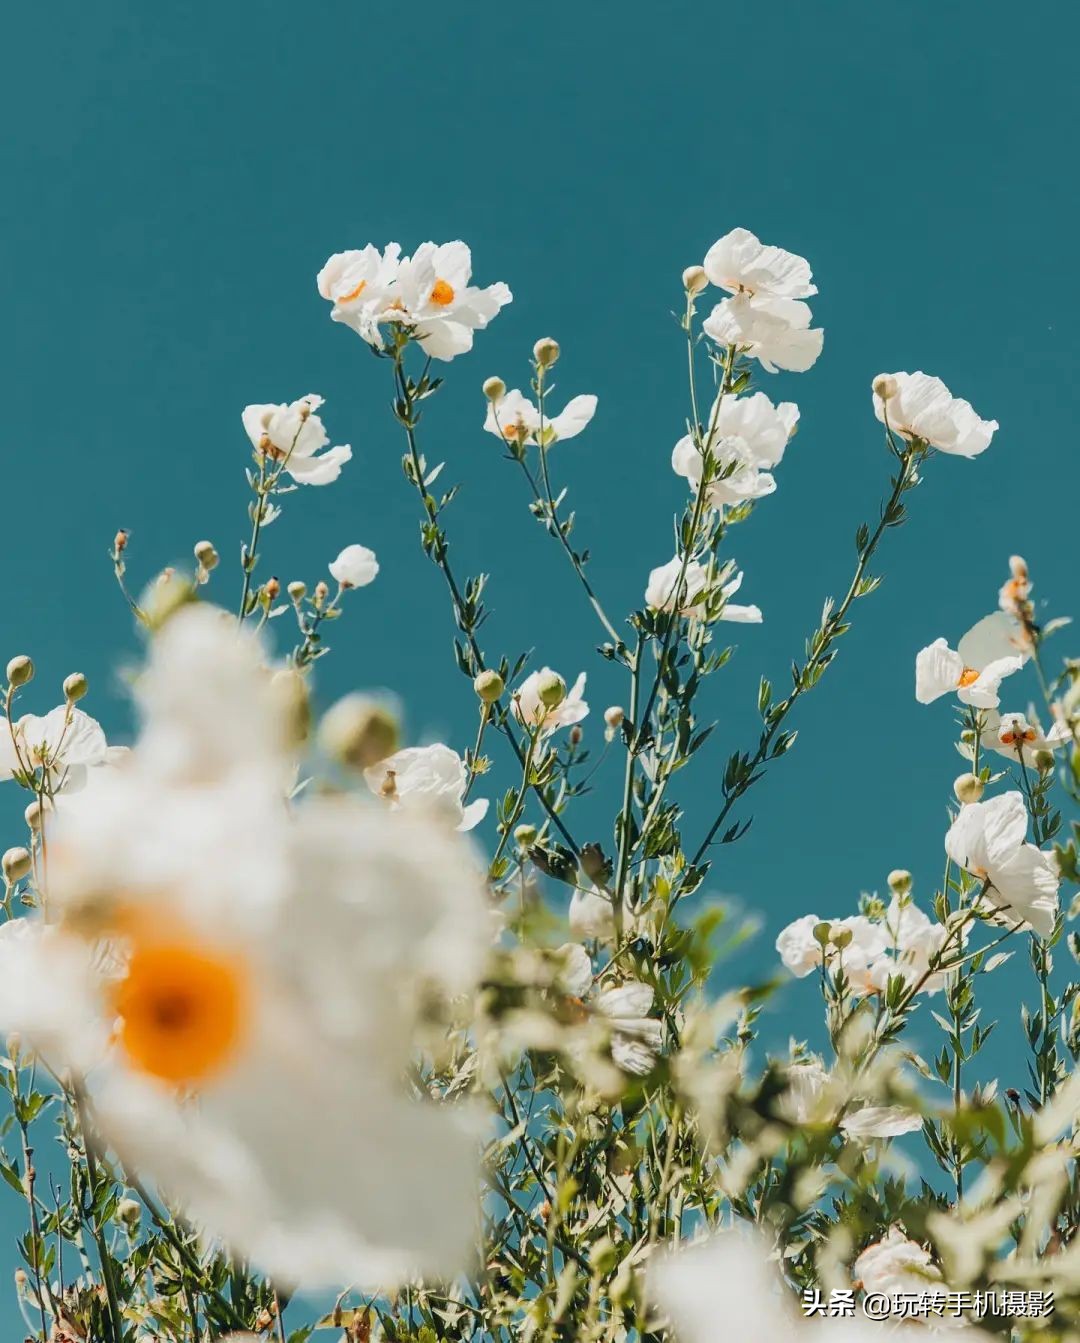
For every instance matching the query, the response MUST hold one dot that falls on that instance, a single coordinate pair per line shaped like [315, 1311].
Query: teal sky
[175, 176]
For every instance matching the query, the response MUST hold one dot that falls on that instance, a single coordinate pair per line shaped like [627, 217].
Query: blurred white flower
[989, 840]
[894, 1265]
[438, 301]
[63, 744]
[591, 915]
[741, 264]
[636, 1037]
[360, 284]
[513, 418]
[923, 407]
[805, 1101]
[881, 1121]
[747, 435]
[802, 953]
[530, 710]
[991, 650]
[355, 567]
[775, 331]
[292, 435]
[278, 967]
[913, 941]
[430, 779]
[1014, 736]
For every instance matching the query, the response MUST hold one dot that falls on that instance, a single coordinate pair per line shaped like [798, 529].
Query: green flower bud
[75, 687]
[899, 881]
[494, 389]
[551, 689]
[16, 864]
[525, 835]
[968, 788]
[546, 352]
[358, 732]
[20, 670]
[489, 685]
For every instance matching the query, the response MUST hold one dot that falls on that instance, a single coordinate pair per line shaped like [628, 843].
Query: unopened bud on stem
[551, 689]
[546, 352]
[20, 670]
[694, 280]
[494, 389]
[75, 687]
[489, 685]
[899, 881]
[207, 555]
[968, 788]
[16, 864]
[885, 386]
[359, 732]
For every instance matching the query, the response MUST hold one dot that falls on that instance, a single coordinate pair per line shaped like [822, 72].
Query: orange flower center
[353, 293]
[442, 294]
[183, 1009]
[968, 676]
[516, 432]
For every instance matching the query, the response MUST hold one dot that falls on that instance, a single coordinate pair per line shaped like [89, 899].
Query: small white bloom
[989, 840]
[747, 435]
[801, 952]
[913, 941]
[805, 1100]
[355, 567]
[428, 779]
[360, 285]
[636, 1037]
[513, 418]
[438, 301]
[743, 615]
[665, 589]
[741, 264]
[923, 407]
[1015, 736]
[775, 331]
[64, 744]
[881, 1121]
[292, 435]
[591, 915]
[529, 709]
[895, 1264]
[991, 650]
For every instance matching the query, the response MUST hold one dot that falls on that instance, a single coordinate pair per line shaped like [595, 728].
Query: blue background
[175, 176]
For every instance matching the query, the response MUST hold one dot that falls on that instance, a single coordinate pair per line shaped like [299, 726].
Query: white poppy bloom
[430, 779]
[741, 264]
[913, 941]
[576, 974]
[747, 435]
[636, 1037]
[923, 407]
[895, 1264]
[805, 1101]
[438, 301]
[991, 650]
[1015, 736]
[664, 588]
[801, 952]
[360, 285]
[355, 567]
[775, 331]
[989, 840]
[515, 419]
[229, 974]
[881, 1121]
[64, 744]
[293, 434]
[531, 712]
[591, 915]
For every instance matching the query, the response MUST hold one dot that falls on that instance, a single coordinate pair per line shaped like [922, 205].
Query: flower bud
[546, 352]
[899, 880]
[842, 938]
[551, 689]
[614, 715]
[297, 592]
[129, 1212]
[20, 670]
[1044, 761]
[167, 594]
[120, 541]
[489, 685]
[358, 731]
[494, 389]
[525, 835]
[822, 933]
[575, 735]
[34, 815]
[694, 280]
[968, 788]
[290, 694]
[75, 687]
[885, 386]
[207, 555]
[16, 864]
[321, 592]
[271, 589]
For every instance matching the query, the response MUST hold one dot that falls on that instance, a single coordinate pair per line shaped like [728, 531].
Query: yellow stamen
[442, 293]
[183, 1007]
[353, 293]
[968, 676]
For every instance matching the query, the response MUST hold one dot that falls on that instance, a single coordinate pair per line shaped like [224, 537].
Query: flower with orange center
[442, 294]
[183, 1007]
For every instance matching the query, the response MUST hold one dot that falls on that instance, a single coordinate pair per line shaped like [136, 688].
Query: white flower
[63, 744]
[428, 779]
[801, 952]
[438, 301]
[636, 1037]
[1015, 736]
[664, 587]
[513, 418]
[775, 331]
[530, 710]
[355, 567]
[360, 284]
[292, 434]
[895, 1264]
[923, 407]
[741, 264]
[808, 1081]
[744, 615]
[881, 1121]
[989, 840]
[576, 973]
[747, 435]
[248, 974]
[991, 650]
[591, 914]
[913, 941]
